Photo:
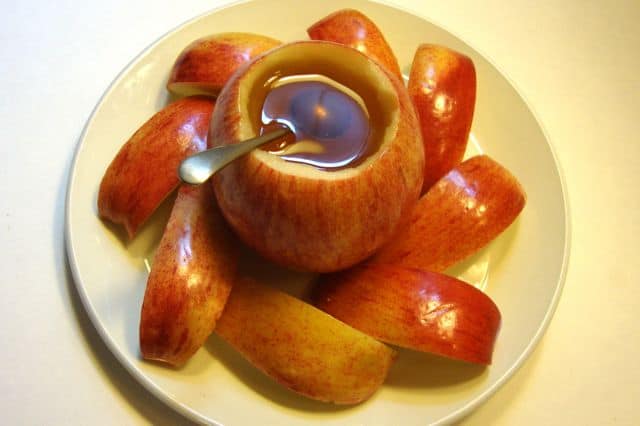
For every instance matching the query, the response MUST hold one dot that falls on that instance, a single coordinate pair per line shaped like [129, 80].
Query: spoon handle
[199, 167]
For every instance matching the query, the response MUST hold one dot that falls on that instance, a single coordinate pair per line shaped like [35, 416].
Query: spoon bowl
[198, 168]
[320, 120]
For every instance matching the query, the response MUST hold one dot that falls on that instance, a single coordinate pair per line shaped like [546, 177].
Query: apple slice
[442, 86]
[460, 214]
[143, 173]
[301, 347]
[420, 310]
[352, 28]
[190, 280]
[205, 65]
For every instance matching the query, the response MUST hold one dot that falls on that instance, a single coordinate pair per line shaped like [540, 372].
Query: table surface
[576, 61]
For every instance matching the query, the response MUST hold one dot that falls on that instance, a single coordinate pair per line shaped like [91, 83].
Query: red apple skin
[307, 223]
[205, 65]
[143, 173]
[192, 274]
[442, 86]
[352, 28]
[420, 310]
[301, 347]
[461, 213]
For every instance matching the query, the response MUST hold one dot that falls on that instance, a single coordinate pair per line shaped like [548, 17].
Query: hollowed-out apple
[301, 216]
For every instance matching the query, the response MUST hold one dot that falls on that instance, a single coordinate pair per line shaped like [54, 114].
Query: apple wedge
[352, 28]
[205, 65]
[461, 213]
[420, 310]
[301, 347]
[143, 173]
[442, 86]
[190, 280]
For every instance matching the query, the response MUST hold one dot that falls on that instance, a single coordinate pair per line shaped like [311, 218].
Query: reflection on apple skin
[442, 86]
[190, 279]
[415, 309]
[461, 213]
[143, 173]
[354, 29]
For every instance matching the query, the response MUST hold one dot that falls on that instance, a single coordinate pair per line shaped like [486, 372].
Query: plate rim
[476, 402]
[194, 415]
[104, 334]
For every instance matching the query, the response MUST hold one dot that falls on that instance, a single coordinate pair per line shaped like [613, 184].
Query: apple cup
[300, 216]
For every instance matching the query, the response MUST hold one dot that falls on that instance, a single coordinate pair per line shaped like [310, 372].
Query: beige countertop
[576, 62]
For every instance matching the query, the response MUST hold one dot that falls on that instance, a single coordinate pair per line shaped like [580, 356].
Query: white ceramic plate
[522, 271]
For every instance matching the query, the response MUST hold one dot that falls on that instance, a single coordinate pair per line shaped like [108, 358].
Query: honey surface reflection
[330, 126]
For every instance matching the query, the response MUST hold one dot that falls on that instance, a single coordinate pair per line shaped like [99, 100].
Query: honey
[329, 121]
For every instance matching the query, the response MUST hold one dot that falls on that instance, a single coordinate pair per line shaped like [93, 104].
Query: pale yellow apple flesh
[301, 347]
[206, 65]
[143, 173]
[192, 274]
[461, 213]
[302, 217]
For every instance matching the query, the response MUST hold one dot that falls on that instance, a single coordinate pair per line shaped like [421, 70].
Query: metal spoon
[199, 167]
[314, 115]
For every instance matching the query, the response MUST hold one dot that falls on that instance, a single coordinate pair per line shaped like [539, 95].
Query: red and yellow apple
[461, 213]
[192, 274]
[354, 29]
[442, 86]
[425, 311]
[206, 65]
[301, 347]
[300, 216]
[143, 173]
